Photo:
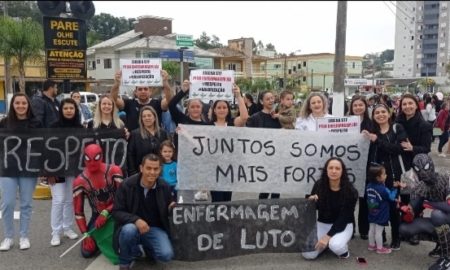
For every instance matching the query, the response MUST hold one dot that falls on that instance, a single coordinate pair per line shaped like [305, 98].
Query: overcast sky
[290, 26]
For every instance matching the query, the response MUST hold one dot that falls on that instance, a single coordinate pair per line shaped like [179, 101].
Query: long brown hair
[12, 116]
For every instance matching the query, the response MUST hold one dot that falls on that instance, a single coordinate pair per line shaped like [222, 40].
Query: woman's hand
[127, 134]
[313, 197]
[185, 86]
[407, 146]
[323, 242]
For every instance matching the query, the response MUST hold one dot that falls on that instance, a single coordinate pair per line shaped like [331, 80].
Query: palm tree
[21, 41]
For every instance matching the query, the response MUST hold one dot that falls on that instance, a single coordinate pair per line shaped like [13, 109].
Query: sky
[292, 26]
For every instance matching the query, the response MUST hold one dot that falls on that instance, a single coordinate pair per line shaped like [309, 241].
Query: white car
[87, 98]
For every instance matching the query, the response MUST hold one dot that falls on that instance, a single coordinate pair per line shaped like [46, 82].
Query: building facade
[422, 39]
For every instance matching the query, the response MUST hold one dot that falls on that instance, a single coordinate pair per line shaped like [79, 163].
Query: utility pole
[8, 86]
[339, 60]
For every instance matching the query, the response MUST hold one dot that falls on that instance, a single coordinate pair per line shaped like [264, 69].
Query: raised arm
[167, 91]
[243, 113]
[115, 91]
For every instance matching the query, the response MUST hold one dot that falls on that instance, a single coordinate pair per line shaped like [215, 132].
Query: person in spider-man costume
[98, 182]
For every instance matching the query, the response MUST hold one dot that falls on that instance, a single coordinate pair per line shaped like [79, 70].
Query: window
[353, 65]
[304, 78]
[412, 37]
[91, 98]
[98, 61]
[107, 63]
[93, 64]
[294, 68]
[412, 47]
[232, 67]
[289, 71]
[299, 66]
[138, 54]
[304, 63]
[277, 66]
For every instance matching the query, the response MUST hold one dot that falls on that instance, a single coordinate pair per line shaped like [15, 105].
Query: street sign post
[184, 41]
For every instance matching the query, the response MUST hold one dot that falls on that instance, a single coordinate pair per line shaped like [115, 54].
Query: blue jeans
[155, 240]
[9, 190]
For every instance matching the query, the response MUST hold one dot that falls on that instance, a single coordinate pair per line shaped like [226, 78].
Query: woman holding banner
[144, 140]
[315, 106]
[335, 198]
[385, 149]
[62, 212]
[20, 116]
[358, 107]
[264, 119]
[221, 117]
[193, 116]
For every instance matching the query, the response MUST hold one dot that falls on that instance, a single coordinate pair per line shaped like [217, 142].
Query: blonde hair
[115, 114]
[305, 111]
[142, 130]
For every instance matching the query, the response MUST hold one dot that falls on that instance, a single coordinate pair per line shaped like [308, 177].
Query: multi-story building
[311, 71]
[422, 39]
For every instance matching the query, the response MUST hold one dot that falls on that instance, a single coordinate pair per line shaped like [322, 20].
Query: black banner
[221, 230]
[64, 33]
[58, 152]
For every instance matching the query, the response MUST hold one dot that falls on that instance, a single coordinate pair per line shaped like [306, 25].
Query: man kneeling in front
[141, 210]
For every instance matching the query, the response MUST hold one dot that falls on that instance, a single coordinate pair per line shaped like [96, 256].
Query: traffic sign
[184, 41]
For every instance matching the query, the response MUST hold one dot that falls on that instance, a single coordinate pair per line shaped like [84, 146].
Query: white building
[151, 35]
[421, 39]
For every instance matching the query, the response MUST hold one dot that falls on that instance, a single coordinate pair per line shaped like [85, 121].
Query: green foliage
[92, 38]
[244, 84]
[270, 47]
[260, 85]
[21, 40]
[206, 42]
[171, 67]
[427, 82]
[106, 26]
[23, 10]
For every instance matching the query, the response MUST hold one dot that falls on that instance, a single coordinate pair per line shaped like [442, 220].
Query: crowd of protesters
[397, 131]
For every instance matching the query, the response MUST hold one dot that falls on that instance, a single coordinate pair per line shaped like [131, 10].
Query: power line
[411, 31]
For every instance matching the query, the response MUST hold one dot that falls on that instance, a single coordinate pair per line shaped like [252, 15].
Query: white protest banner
[211, 84]
[346, 124]
[264, 160]
[141, 72]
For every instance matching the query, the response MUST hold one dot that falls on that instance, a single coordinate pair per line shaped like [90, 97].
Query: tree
[206, 42]
[260, 45]
[21, 41]
[24, 9]
[270, 47]
[107, 26]
[171, 67]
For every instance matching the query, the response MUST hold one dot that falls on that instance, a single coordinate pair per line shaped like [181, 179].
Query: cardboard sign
[264, 160]
[346, 124]
[56, 151]
[211, 84]
[141, 72]
[221, 230]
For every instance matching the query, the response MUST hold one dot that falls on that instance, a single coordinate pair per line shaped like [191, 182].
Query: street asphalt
[42, 256]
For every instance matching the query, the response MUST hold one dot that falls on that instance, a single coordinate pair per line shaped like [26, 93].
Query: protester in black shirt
[143, 97]
[264, 119]
[335, 199]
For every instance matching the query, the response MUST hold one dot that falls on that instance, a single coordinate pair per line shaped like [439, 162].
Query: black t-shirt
[263, 120]
[132, 108]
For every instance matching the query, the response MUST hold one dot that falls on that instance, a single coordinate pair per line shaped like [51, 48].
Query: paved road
[42, 256]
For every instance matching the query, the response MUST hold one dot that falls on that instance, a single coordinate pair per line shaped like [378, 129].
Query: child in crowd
[169, 167]
[286, 112]
[378, 197]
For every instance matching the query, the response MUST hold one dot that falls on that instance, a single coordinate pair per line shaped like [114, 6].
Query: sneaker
[24, 243]
[6, 244]
[384, 250]
[440, 264]
[346, 255]
[395, 245]
[70, 234]
[201, 196]
[442, 155]
[56, 240]
[372, 247]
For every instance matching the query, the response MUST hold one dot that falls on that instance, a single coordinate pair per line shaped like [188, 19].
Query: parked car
[87, 98]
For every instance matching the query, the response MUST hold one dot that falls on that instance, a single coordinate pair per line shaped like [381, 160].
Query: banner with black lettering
[264, 160]
[56, 151]
[221, 230]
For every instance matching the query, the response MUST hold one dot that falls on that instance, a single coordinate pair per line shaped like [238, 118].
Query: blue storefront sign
[174, 55]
